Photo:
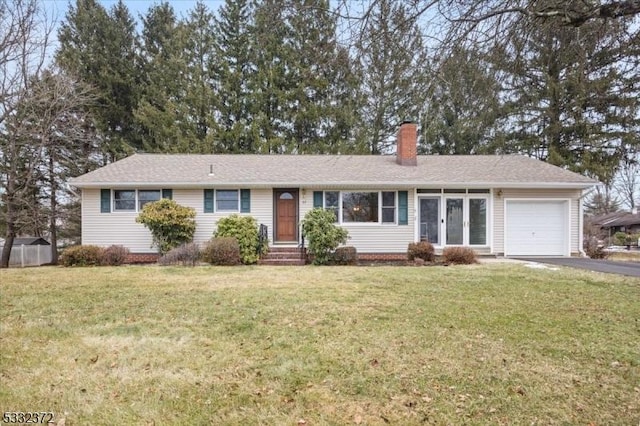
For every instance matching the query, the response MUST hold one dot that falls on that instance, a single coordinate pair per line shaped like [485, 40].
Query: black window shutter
[105, 201]
[403, 208]
[208, 200]
[167, 193]
[317, 199]
[245, 201]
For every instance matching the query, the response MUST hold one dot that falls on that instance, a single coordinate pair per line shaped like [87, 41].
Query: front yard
[488, 344]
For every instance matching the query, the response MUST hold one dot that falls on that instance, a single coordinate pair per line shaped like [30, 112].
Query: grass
[482, 344]
[624, 256]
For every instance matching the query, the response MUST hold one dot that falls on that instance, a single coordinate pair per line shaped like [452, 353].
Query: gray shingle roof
[191, 170]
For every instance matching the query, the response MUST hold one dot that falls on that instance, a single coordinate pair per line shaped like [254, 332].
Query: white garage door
[536, 228]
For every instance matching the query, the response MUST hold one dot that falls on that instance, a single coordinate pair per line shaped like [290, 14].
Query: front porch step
[283, 256]
[282, 262]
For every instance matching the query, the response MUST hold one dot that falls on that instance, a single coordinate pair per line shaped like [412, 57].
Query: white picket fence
[22, 255]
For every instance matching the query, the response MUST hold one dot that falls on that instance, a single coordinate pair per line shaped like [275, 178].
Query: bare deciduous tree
[44, 131]
[627, 183]
[25, 32]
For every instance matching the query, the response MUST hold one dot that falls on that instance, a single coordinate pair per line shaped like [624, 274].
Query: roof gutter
[336, 185]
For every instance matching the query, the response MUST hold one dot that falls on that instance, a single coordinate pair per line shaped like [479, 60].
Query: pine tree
[162, 68]
[462, 106]
[392, 67]
[234, 67]
[100, 48]
[198, 107]
[572, 96]
[321, 116]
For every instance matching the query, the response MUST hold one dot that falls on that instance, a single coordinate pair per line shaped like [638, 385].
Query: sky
[136, 7]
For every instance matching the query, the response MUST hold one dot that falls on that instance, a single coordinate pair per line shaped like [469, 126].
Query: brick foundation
[135, 258]
[382, 257]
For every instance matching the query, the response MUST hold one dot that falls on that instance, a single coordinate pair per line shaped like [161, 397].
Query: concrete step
[281, 262]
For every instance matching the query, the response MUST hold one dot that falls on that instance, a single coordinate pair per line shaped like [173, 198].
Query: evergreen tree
[321, 74]
[100, 48]
[161, 110]
[198, 111]
[271, 83]
[392, 66]
[572, 96]
[462, 106]
[233, 71]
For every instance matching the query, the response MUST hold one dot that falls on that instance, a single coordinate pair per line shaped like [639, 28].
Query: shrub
[114, 255]
[345, 256]
[459, 255]
[323, 234]
[422, 250]
[245, 230]
[620, 238]
[593, 249]
[171, 224]
[81, 256]
[186, 255]
[222, 251]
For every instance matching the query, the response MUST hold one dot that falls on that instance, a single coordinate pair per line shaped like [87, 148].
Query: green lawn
[482, 344]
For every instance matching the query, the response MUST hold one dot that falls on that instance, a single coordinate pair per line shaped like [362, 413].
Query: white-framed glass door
[454, 220]
[430, 218]
[477, 219]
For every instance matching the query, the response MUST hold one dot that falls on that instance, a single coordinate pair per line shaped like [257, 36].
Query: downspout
[581, 222]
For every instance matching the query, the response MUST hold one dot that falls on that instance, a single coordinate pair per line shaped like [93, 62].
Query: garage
[537, 228]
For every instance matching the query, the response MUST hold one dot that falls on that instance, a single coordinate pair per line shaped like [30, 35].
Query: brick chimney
[407, 145]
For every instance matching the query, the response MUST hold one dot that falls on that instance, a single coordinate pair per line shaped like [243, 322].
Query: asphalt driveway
[631, 269]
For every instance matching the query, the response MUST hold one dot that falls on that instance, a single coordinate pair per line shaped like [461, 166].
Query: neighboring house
[628, 222]
[30, 241]
[502, 205]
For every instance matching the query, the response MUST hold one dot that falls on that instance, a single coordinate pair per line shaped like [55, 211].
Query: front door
[286, 215]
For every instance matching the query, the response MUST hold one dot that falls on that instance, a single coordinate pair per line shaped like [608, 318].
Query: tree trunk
[53, 227]
[11, 221]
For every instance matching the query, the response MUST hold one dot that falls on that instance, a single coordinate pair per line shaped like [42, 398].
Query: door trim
[465, 230]
[276, 194]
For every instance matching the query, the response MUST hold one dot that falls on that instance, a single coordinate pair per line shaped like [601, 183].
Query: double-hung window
[148, 196]
[227, 200]
[388, 207]
[332, 202]
[124, 200]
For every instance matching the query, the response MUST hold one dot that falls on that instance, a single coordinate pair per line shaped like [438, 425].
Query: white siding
[498, 212]
[372, 238]
[105, 229]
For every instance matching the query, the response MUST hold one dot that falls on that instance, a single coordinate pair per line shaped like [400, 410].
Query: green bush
[222, 251]
[459, 255]
[186, 255]
[245, 230]
[624, 239]
[171, 224]
[323, 235]
[422, 250]
[81, 256]
[345, 256]
[114, 255]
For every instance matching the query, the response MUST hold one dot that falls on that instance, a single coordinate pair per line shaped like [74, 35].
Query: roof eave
[354, 184]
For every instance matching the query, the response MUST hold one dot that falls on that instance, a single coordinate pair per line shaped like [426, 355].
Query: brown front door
[286, 209]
